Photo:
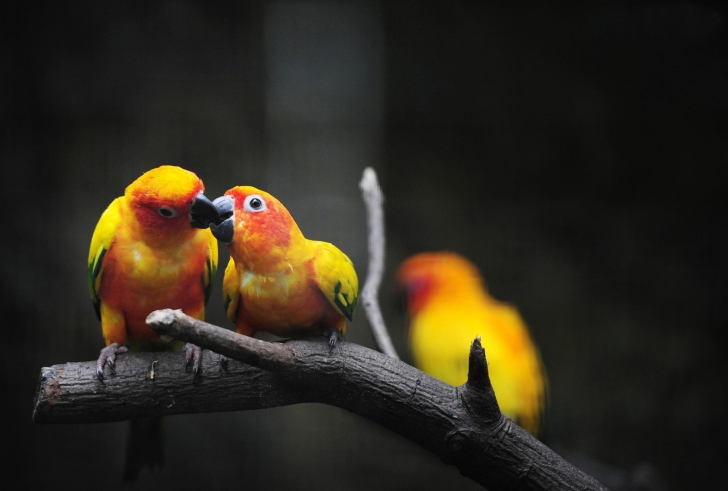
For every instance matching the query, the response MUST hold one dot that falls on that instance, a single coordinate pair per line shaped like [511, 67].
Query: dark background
[576, 154]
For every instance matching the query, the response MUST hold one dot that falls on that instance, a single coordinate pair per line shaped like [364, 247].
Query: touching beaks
[217, 214]
[225, 206]
[203, 212]
[224, 229]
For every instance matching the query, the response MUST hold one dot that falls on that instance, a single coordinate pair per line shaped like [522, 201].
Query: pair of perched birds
[155, 247]
[152, 249]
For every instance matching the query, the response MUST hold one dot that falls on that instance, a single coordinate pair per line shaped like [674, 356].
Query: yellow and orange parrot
[449, 306]
[147, 254]
[277, 280]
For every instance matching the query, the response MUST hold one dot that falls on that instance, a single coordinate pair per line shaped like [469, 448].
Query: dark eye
[166, 212]
[255, 203]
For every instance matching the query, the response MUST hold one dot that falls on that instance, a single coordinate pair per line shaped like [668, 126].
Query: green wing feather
[100, 244]
[336, 278]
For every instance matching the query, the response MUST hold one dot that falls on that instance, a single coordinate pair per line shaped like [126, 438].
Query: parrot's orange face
[254, 222]
[425, 274]
[258, 214]
[161, 199]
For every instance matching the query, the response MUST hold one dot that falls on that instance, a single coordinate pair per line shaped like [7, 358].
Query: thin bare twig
[373, 199]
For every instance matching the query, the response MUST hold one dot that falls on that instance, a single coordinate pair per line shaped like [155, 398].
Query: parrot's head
[253, 223]
[163, 200]
[428, 275]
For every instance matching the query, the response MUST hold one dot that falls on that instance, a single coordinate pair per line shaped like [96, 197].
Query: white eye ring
[166, 212]
[254, 203]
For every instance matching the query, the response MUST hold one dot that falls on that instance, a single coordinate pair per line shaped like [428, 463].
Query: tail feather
[144, 447]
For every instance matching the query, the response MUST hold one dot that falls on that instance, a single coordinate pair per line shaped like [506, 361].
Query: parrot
[147, 254]
[448, 307]
[277, 280]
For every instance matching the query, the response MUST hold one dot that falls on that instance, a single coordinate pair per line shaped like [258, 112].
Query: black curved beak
[224, 230]
[203, 212]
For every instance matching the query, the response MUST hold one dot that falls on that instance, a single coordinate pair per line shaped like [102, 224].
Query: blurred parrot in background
[277, 280]
[147, 254]
[449, 306]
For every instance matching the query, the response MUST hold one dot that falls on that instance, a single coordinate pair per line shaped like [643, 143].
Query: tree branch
[460, 424]
[373, 199]
[463, 425]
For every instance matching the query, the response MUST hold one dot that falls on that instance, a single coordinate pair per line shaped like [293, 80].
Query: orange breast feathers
[448, 307]
[277, 280]
[139, 279]
[283, 303]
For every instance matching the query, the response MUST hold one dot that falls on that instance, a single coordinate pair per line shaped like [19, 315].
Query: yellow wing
[211, 265]
[100, 243]
[522, 361]
[336, 278]
[231, 290]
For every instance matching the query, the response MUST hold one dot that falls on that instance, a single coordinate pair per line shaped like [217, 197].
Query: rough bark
[463, 425]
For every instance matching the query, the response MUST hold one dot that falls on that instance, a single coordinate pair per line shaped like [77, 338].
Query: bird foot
[334, 336]
[108, 357]
[193, 353]
[224, 362]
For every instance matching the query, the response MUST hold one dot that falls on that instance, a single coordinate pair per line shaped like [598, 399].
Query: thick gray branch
[460, 424]
[149, 384]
